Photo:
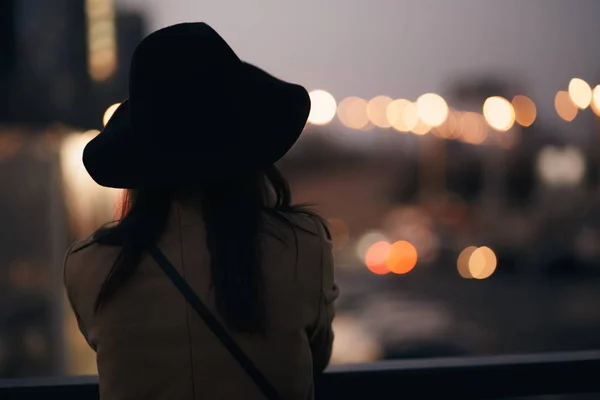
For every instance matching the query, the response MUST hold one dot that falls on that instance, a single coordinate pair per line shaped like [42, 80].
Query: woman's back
[151, 344]
[210, 197]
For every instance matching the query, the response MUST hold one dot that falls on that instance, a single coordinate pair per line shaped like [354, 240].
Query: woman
[211, 284]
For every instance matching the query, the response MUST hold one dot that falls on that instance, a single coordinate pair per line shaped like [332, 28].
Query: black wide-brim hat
[195, 113]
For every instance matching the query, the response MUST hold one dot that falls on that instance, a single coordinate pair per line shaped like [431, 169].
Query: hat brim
[272, 116]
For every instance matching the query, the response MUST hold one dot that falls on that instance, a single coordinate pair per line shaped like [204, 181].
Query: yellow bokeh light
[323, 107]
[410, 116]
[596, 100]
[482, 263]
[394, 114]
[580, 93]
[352, 112]
[462, 263]
[421, 128]
[402, 115]
[499, 113]
[377, 111]
[432, 109]
[565, 108]
[109, 113]
[525, 110]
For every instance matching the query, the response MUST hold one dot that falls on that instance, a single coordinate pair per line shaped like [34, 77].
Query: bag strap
[214, 325]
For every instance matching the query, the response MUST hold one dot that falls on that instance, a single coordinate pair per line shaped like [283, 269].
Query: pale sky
[402, 48]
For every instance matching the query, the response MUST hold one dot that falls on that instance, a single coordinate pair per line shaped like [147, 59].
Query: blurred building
[63, 63]
[68, 59]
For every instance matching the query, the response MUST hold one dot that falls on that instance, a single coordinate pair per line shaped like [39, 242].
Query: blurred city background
[453, 146]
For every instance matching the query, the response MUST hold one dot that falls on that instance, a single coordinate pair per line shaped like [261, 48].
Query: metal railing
[445, 378]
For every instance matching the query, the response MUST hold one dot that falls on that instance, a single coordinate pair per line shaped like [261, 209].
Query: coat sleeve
[321, 337]
[68, 290]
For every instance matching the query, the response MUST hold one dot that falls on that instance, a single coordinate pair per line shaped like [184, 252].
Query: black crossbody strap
[214, 325]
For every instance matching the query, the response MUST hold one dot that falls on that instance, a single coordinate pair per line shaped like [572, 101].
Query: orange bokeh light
[377, 111]
[525, 110]
[565, 108]
[402, 257]
[463, 262]
[376, 258]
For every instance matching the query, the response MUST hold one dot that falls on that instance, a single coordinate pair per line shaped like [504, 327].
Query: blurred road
[424, 315]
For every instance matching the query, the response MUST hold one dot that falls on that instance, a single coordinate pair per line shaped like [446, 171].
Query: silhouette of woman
[210, 284]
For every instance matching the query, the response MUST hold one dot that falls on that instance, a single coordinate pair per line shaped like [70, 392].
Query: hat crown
[180, 86]
[188, 51]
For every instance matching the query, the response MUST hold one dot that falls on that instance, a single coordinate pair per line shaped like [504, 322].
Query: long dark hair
[233, 211]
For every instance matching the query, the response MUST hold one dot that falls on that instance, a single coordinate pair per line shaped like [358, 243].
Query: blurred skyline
[403, 48]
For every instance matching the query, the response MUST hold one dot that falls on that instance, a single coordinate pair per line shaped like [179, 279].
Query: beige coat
[151, 344]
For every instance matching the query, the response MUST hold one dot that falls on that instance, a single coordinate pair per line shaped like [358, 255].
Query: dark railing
[449, 378]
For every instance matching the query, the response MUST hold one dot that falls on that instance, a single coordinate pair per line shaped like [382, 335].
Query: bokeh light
[109, 113]
[580, 93]
[472, 127]
[482, 263]
[323, 107]
[402, 257]
[402, 115]
[565, 108]
[352, 112]
[499, 113]
[377, 111]
[561, 166]
[376, 258]
[395, 114]
[463, 262]
[432, 109]
[525, 110]
[596, 100]
[411, 116]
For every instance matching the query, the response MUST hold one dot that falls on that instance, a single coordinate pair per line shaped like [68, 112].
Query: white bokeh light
[323, 107]
[561, 166]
